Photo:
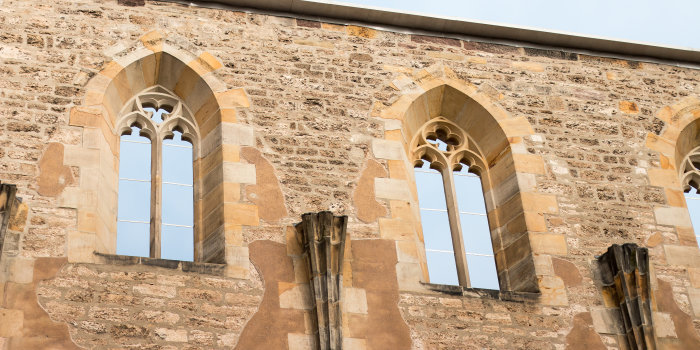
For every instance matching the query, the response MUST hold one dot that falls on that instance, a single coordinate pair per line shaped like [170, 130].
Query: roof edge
[473, 30]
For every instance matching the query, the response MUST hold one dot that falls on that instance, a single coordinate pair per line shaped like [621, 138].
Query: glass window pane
[470, 197]
[177, 205]
[177, 161]
[476, 234]
[177, 243]
[442, 268]
[134, 202]
[693, 201]
[436, 230]
[135, 157]
[436, 226]
[482, 272]
[133, 239]
[431, 192]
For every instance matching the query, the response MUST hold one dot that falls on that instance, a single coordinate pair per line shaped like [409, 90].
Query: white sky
[665, 22]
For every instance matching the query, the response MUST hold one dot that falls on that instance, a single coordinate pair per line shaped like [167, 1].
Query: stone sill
[483, 293]
[184, 266]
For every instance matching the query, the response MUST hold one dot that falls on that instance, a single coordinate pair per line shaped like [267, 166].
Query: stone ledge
[483, 293]
[184, 266]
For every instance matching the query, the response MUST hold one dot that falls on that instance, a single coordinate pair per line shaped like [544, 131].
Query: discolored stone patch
[688, 337]
[53, 175]
[266, 193]
[269, 327]
[368, 209]
[39, 331]
[374, 269]
[629, 107]
[583, 336]
[567, 271]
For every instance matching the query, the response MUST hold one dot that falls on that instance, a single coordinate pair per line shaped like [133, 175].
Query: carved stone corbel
[627, 284]
[322, 237]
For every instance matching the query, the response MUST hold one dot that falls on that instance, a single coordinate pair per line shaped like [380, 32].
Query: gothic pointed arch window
[449, 169]
[158, 143]
[690, 182]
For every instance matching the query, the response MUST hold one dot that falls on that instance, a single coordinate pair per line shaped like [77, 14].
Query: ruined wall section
[316, 91]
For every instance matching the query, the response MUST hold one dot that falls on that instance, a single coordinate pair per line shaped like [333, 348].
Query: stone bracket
[627, 285]
[7, 205]
[322, 237]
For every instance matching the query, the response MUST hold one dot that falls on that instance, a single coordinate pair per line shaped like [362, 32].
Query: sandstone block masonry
[298, 116]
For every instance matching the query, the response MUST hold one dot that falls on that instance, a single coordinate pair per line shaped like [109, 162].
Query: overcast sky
[667, 22]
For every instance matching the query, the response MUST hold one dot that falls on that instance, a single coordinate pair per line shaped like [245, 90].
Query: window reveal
[690, 181]
[156, 181]
[453, 214]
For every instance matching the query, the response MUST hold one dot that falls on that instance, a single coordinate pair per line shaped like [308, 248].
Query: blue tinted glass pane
[133, 239]
[177, 204]
[482, 272]
[436, 230]
[135, 158]
[177, 162]
[441, 268]
[476, 234]
[177, 243]
[431, 192]
[134, 201]
[693, 200]
[470, 197]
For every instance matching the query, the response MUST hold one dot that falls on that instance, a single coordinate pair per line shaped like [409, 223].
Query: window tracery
[690, 182]
[155, 214]
[449, 168]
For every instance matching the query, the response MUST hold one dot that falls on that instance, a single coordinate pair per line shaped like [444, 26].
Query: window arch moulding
[161, 64]
[166, 128]
[522, 244]
[447, 161]
[677, 147]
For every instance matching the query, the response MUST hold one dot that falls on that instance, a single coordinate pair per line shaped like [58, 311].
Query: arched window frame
[461, 151]
[689, 173]
[179, 118]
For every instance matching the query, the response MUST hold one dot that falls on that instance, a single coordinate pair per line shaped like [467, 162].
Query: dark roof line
[460, 28]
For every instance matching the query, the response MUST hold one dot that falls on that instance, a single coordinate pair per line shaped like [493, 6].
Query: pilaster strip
[627, 282]
[322, 237]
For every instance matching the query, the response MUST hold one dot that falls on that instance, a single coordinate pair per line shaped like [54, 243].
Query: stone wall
[592, 141]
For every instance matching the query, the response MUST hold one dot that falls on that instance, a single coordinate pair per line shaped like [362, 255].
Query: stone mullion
[156, 194]
[455, 227]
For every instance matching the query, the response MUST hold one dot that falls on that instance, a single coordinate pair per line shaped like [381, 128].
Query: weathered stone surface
[364, 198]
[310, 97]
[142, 303]
[53, 175]
[38, 329]
[688, 337]
[567, 271]
[266, 192]
[268, 328]
[384, 328]
[583, 336]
